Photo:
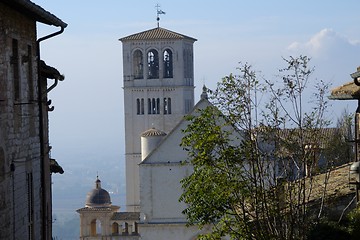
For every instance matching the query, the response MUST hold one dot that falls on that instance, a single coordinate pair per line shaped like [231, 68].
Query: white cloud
[334, 57]
[325, 43]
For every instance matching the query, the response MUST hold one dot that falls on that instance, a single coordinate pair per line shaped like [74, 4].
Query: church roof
[155, 34]
[202, 103]
[126, 216]
[97, 209]
[153, 132]
[347, 91]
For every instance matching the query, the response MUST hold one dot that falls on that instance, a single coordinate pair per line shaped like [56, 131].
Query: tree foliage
[254, 160]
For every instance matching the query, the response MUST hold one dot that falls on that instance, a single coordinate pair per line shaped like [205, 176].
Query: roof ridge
[156, 33]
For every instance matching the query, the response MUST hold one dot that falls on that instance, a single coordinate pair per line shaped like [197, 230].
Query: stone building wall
[20, 166]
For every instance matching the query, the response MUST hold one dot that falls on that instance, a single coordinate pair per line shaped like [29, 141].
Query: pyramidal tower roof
[156, 33]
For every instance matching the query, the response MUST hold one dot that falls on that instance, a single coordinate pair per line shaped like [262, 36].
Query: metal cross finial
[158, 12]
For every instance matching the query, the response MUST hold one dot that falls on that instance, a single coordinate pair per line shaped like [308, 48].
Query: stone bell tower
[158, 75]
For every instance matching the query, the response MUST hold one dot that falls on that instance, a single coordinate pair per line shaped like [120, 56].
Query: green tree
[254, 161]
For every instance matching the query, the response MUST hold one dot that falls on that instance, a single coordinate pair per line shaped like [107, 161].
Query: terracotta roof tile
[156, 33]
[135, 216]
[347, 91]
[153, 132]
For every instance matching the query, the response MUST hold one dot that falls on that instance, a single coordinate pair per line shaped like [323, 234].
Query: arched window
[158, 106]
[98, 227]
[153, 105]
[136, 227]
[95, 227]
[138, 65]
[142, 107]
[125, 229]
[138, 106]
[153, 64]
[149, 106]
[168, 63]
[167, 105]
[115, 228]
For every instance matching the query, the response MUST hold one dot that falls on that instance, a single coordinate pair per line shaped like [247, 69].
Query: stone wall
[20, 162]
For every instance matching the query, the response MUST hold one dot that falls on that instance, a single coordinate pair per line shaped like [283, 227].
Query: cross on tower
[158, 12]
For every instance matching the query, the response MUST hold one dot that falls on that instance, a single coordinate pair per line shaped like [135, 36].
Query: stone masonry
[25, 179]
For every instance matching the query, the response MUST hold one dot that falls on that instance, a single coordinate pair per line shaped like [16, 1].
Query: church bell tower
[158, 82]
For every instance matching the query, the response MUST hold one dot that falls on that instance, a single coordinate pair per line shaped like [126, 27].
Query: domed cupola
[98, 197]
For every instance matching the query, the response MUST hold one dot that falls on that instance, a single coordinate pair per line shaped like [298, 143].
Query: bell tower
[158, 82]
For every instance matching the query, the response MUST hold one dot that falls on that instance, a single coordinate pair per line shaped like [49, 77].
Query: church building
[99, 219]
[158, 68]
[158, 82]
[158, 78]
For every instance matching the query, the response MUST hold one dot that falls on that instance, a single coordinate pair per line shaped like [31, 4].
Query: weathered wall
[20, 175]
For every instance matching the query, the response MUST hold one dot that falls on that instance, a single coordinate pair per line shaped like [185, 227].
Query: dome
[152, 132]
[98, 197]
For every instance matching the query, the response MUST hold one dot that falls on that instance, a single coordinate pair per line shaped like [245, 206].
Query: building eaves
[94, 209]
[135, 216]
[155, 34]
[35, 11]
[347, 91]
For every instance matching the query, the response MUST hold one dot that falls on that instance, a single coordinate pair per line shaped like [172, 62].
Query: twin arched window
[153, 106]
[153, 64]
[140, 106]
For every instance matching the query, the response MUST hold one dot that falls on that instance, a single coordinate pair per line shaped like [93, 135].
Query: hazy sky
[88, 117]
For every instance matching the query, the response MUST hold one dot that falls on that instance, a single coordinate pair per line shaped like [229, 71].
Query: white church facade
[158, 69]
[162, 168]
[158, 83]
